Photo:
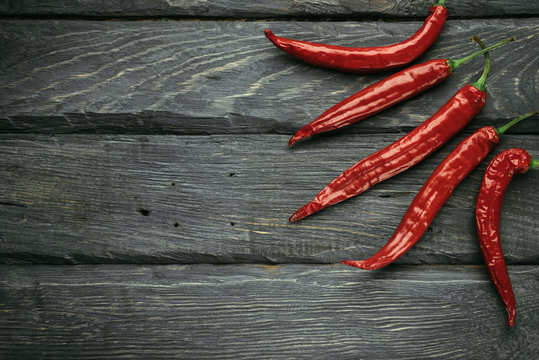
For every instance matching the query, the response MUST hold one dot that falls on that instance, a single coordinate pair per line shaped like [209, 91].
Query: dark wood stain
[146, 183]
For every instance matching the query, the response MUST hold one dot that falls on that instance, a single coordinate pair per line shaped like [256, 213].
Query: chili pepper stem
[453, 64]
[440, 3]
[507, 126]
[534, 164]
[480, 84]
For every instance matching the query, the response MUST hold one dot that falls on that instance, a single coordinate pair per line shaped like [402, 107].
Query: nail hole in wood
[143, 211]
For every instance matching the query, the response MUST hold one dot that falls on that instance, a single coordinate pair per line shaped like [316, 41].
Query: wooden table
[146, 183]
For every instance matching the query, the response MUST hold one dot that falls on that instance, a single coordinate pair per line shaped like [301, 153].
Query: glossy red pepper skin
[497, 176]
[377, 97]
[366, 59]
[409, 150]
[432, 196]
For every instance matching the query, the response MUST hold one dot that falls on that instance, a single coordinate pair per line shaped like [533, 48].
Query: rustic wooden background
[146, 183]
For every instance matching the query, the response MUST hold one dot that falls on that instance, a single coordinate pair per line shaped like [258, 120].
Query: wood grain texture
[265, 9]
[164, 142]
[221, 77]
[227, 199]
[246, 312]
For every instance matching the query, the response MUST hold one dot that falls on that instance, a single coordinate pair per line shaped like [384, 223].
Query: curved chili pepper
[379, 96]
[405, 152]
[487, 215]
[434, 193]
[497, 176]
[367, 59]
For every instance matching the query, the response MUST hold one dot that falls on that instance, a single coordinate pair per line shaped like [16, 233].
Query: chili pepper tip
[306, 210]
[363, 264]
[298, 215]
[351, 263]
[511, 314]
[268, 33]
[293, 140]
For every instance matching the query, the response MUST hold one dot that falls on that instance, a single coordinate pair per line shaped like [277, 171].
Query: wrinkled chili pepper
[434, 193]
[405, 152]
[367, 59]
[497, 176]
[381, 95]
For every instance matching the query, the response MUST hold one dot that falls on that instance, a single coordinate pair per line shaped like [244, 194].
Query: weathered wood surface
[256, 9]
[174, 152]
[226, 199]
[247, 312]
[217, 77]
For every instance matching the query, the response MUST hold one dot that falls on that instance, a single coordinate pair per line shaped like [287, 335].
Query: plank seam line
[135, 133]
[315, 18]
[261, 264]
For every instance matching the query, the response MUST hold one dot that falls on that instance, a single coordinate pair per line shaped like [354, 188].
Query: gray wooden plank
[227, 199]
[247, 311]
[277, 8]
[219, 77]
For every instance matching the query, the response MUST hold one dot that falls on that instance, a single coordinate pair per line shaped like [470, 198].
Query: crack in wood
[6, 203]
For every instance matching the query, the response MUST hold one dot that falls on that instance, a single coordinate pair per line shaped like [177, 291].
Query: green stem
[453, 64]
[440, 3]
[480, 84]
[534, 164]
[504, 128]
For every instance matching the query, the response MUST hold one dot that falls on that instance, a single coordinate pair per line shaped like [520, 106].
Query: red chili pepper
[379, 96]
[434, 193]
[367, 59]
[405, 152]
[497, 176]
